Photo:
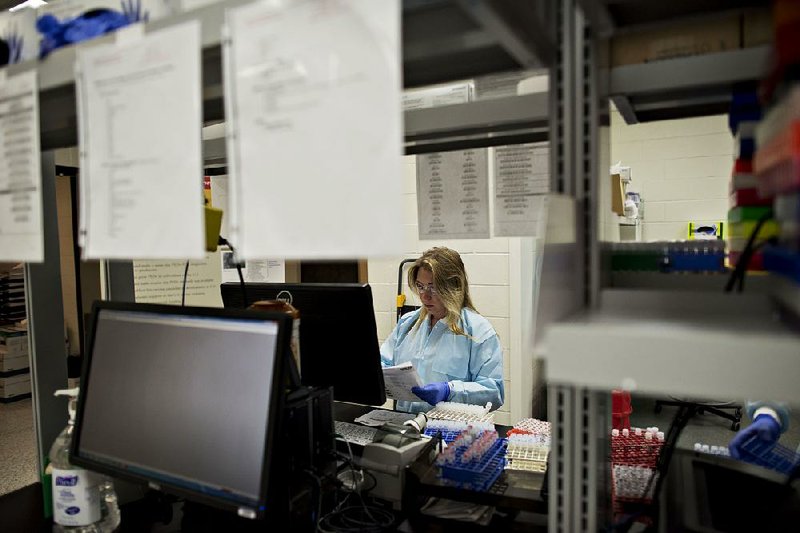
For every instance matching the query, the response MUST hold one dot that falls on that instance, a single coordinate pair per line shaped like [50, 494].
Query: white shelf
[715, 346]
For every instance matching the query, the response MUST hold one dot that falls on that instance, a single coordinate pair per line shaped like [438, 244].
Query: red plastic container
[620, 409]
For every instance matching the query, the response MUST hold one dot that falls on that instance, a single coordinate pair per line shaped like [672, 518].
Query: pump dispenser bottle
[83, 501]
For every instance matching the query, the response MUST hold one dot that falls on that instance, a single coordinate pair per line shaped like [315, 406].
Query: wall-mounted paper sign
[453, 195]
[522, 178]
[253, 270]
[157, 281]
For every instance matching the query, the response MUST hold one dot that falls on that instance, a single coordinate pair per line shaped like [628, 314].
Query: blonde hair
[450, 282]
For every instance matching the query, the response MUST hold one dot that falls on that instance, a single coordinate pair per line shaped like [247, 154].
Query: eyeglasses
[430, 289]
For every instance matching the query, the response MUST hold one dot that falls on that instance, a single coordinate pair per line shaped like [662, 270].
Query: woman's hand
[433, 393]
[764, 428]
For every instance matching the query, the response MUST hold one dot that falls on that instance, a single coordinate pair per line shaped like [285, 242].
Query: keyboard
[355, 433]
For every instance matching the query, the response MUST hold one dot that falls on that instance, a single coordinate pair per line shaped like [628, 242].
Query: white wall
[488, 263]
[682, 168]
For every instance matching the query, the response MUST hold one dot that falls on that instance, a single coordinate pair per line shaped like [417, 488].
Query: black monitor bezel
[377, 394]
[267, 492]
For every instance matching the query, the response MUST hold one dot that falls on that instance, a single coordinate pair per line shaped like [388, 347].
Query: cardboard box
[14, 346]
[15, 385]
[679, 40]
[11, 364]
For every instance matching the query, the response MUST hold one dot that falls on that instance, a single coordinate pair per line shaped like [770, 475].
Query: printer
[394, 447]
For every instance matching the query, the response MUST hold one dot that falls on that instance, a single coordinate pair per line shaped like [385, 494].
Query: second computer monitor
[188, 399]
[338, 335]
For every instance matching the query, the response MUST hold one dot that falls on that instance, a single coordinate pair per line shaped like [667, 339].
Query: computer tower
[307, 453]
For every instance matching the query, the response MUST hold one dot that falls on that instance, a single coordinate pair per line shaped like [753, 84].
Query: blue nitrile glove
[764, 428]
[433, 393]
[93, 24]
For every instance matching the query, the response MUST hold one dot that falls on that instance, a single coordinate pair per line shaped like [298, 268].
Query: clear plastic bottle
[83, 501]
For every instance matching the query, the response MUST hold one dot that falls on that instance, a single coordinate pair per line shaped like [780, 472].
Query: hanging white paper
[522, 178]
[315, 155]
[140, 118]
[453, 195]
[21, 236]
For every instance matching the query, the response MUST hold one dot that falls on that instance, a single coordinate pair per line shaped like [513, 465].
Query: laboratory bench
[517, 496]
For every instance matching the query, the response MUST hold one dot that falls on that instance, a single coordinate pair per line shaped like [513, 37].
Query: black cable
[659, 473]
[744, 259]
[355, 518]
[670, 444]
[183, 291]
[317, 497]
[224, 241]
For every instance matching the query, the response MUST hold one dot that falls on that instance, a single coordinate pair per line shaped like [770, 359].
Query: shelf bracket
[504, 20]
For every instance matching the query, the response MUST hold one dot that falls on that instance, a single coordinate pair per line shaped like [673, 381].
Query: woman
[455, 350]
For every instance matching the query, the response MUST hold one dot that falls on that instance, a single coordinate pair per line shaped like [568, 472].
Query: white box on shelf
[437, 95]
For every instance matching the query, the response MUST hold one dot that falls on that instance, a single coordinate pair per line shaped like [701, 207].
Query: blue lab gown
[473, 366]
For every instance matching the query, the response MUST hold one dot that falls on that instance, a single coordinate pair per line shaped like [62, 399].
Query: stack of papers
[399, 379]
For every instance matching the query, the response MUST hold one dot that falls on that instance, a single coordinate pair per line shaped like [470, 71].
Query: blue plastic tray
[774, 457]
[477, 475]
[447, 436]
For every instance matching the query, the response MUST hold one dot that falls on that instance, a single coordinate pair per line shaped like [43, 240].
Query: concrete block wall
[488, 264]
[681, 168]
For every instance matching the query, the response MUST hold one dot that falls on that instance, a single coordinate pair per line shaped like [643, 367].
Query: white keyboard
[355, 433]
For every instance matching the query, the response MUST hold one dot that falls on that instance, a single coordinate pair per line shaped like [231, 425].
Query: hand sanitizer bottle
[83, 501]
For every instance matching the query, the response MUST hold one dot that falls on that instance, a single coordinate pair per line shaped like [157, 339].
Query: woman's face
[429, 298]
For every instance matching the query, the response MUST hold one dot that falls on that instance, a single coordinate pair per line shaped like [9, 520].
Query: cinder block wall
[682, 169]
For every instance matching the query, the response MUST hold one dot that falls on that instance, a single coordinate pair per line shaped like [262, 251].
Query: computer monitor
[187, 399]
[717, 494]
[338, 335]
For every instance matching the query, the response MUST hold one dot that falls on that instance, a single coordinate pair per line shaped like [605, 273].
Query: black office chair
[720, 409]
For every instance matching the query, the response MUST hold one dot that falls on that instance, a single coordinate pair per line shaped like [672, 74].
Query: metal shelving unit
[683, 87]
[510, 120]
[670, 340]
[442, 41]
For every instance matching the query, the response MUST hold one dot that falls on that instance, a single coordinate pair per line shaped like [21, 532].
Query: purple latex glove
[764, 428]
[433, 393]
